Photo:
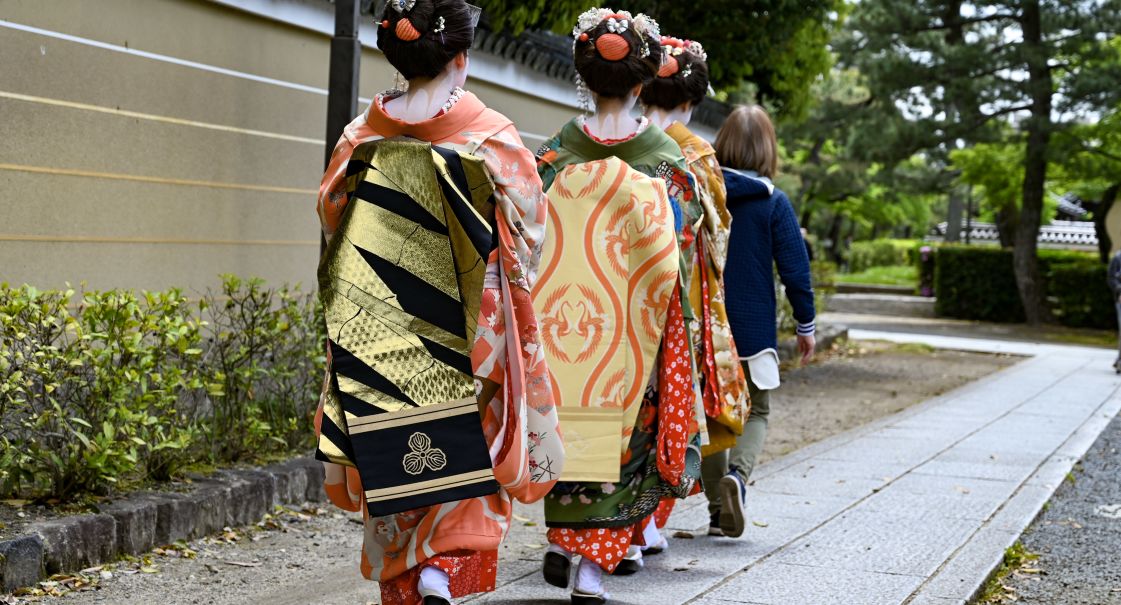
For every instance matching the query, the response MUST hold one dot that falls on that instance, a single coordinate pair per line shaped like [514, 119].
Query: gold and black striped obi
[401, 284]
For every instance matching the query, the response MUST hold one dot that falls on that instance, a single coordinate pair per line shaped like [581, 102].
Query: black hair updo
[420, 41]
[612, 62]
[683, 78]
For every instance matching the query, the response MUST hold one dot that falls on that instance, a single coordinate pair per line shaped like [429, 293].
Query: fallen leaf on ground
[243, 563]
[1109, 511]
[683, 535]
[759, 523]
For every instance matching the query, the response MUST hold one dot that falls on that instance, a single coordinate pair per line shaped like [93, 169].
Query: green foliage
[780, 47]
[882, 253]
[260, 363]
[117, 386]
[823, 276]
[830, 170]
[977, 282]
[1000, 72]
[1078, 295]
[89, 386]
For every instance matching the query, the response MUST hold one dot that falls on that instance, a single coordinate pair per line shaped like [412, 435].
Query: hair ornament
[406, 31]
[618, 24]
[385, 24]
[669, 67]
[696, 49]
[402, 6]
[440, 25]
[622, 21]
[613, 47]
[474, 13]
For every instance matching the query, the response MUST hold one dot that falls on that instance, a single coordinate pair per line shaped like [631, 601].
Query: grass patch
[915, 348]
[895, 275]
[1097, 338]
[1016, 559]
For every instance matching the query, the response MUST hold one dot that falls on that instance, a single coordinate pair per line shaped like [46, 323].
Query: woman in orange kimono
[681, 85]
[433, 554]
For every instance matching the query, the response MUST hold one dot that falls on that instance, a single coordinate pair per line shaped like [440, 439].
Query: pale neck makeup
[612, 118]
[426, 97]
[662, 118]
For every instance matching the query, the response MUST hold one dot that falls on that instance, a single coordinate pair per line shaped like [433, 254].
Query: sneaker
[556, 568]
[631, 564]
[733, 493]
[714, 524]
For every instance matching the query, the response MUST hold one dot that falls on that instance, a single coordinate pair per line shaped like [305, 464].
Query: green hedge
[823, 277]
[978, 282]
[882, 253]
[99, 389]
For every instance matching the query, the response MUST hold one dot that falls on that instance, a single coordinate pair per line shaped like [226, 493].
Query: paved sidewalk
[915, 508]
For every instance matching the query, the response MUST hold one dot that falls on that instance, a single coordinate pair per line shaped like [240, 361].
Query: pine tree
[964, 71]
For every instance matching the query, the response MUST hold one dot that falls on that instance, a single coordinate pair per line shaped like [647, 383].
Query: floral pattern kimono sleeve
[507, 356]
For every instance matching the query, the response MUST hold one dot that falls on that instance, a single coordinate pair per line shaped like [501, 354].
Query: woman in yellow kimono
[599, 509]
[433, 554]
[681, 85]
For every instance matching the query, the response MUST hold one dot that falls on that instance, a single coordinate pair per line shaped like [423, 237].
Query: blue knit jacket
[765, 233]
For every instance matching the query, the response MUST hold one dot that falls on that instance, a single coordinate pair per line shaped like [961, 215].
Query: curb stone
[141, 521]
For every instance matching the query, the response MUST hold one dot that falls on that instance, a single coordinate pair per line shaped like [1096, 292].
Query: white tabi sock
[434, 583]
[652, 536]
[589, 577]
[559, 550]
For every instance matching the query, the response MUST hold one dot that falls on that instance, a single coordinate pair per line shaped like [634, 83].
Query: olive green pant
[743, 455]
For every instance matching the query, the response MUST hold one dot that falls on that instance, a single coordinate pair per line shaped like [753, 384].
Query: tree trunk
[835, 239]
[1007, 219]
[1105, 243]
[1039, 85]
[953, 215]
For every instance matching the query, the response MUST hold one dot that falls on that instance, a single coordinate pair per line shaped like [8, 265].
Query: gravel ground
[1077, 537]
[311, 556]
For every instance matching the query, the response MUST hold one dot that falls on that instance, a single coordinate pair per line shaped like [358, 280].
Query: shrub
[116, 386]
[264, 359]
[823, 277]
[881, 253]
[974, 282]
[1078, 295]
[978, 282]
[90, 393]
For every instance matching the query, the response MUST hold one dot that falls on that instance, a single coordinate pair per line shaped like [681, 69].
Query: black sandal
[556, 569]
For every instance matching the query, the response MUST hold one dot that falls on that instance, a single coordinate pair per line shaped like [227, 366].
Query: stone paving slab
[915, 508]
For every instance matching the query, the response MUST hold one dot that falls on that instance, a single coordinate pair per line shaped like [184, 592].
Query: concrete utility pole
[342, 83]
[346, 52]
